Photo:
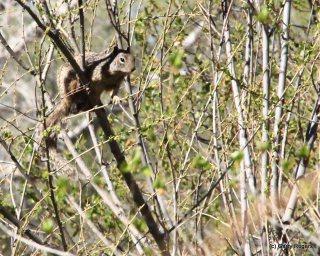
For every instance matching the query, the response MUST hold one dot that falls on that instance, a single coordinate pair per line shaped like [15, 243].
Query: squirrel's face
[122, 63]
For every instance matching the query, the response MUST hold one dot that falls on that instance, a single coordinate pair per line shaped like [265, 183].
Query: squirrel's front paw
[116, 100]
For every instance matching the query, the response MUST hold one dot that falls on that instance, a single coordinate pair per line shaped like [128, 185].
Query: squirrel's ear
[128, 49]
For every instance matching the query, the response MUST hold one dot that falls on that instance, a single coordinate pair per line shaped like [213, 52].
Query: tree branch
[160, 238]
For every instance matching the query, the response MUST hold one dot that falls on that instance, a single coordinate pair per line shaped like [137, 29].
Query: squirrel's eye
[122, 60]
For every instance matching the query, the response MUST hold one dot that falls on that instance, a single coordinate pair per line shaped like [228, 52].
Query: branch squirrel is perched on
[106, 74]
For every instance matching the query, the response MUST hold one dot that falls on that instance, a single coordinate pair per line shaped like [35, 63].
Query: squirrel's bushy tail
[61, 110]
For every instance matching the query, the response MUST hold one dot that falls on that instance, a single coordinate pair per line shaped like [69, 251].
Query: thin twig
[32, 243]
[83, 44]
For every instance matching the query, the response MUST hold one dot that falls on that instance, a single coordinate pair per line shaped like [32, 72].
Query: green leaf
[137, 158]
[264, 15]
[146, 170]
[200, 163]
[264, 146]
[159, 183]
[7, 134]
[62, 186]
[303, 152]
[47, 225]
[125, 167]
[140, 224]
[45, 174]
[237, 155]
[50, 130]
[287, 165]
[176, 58]
[151, 136]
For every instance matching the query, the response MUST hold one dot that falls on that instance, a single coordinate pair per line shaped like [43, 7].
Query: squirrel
[106, 72]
